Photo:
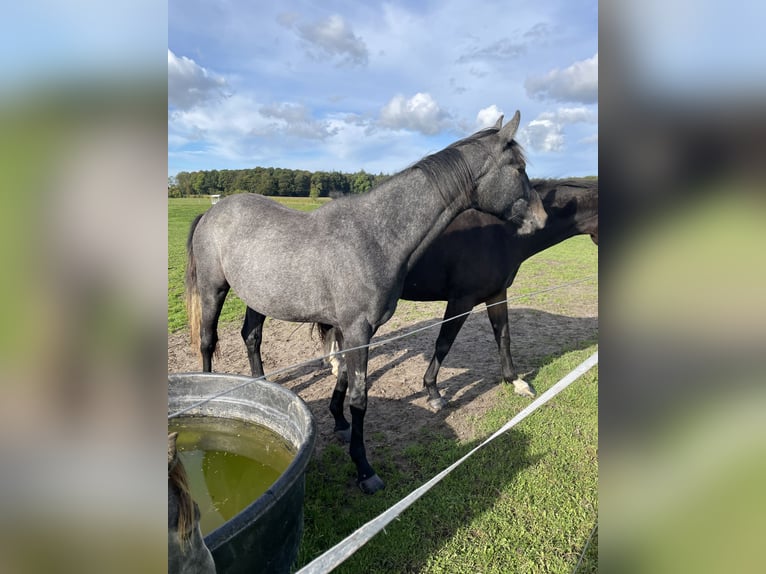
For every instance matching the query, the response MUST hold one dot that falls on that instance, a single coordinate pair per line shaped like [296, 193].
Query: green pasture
[525, 503]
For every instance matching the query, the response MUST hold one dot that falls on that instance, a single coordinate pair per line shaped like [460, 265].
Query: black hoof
[371, 485]
[344, 435]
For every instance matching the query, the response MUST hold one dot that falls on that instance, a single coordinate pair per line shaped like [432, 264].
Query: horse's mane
[448, 170]
[178, 481]
[555, 190]
[541, 185]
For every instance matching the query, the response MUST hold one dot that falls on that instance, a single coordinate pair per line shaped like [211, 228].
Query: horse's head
[502, 185]
[586, 219]
[571, 204]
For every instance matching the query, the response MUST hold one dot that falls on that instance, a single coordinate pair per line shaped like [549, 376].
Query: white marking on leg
[521, 387]
[335, 362]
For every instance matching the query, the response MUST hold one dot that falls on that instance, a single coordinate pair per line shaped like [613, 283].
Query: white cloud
[189, 84]
[546, 132]
[487, 117]
[420, 113]
[220, 127]
[579, 114]
[331, 37]
[577, 83]
[543, 135]
[504, 49]
[295, 120]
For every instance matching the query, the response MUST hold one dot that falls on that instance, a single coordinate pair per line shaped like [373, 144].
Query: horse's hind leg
[252, 334]
[447, 335]
[212, 302]
[497, 309]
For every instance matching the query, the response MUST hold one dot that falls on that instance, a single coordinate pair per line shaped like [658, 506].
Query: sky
[346, 86]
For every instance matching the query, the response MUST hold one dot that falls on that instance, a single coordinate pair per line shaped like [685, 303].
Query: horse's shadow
[465, 494]
[408, 443]
[472, 365]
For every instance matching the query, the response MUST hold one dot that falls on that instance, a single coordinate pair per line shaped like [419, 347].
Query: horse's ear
[172, 437]
[499, 122]
[509, 130]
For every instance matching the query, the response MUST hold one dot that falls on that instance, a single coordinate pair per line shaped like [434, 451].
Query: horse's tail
[332, 342]
[193, 303]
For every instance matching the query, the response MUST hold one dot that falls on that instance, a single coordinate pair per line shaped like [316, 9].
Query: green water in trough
[229, 464]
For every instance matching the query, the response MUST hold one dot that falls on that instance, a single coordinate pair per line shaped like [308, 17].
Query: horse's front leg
[497, 309]
[447, 335]
[356, 363]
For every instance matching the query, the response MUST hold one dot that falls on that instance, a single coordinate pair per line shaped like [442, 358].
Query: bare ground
[397, 409]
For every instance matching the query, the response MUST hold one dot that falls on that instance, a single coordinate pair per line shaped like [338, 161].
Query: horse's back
[247, 214]
[276, 259]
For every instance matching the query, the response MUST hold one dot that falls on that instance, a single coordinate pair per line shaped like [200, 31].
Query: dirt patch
[397, 410]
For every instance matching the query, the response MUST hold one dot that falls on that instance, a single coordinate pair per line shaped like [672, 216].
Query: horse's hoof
[371, 485]
[524, 389]
[437, 404]
[344, 435]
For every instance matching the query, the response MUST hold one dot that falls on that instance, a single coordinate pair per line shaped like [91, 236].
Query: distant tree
[173, 189]
[302, 183]
[198, 182]
[318, 185]
[339, 183]
[183, 181]
[285, 179]
[271, 181]
[265, 182]
[225, 182]
[362, 182]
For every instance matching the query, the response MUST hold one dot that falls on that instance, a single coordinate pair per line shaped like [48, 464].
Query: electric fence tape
[345, 548]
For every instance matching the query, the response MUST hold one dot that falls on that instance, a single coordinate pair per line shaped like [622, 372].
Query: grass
[527, 502]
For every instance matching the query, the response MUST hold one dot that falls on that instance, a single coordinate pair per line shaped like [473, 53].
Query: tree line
[271, 181]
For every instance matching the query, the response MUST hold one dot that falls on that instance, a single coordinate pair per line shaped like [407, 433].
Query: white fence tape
[345, 548]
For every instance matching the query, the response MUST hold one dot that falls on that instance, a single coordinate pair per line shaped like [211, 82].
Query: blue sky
[346, 86]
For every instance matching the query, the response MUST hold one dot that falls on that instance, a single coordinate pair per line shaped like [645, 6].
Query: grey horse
[344, 264]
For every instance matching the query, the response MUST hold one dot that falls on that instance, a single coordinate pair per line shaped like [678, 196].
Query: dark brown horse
[474, 261]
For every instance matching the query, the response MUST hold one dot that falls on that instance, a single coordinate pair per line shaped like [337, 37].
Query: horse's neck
[410, 211]
[557, 229]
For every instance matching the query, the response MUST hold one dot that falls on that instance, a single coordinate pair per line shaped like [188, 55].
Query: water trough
[266, 534]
